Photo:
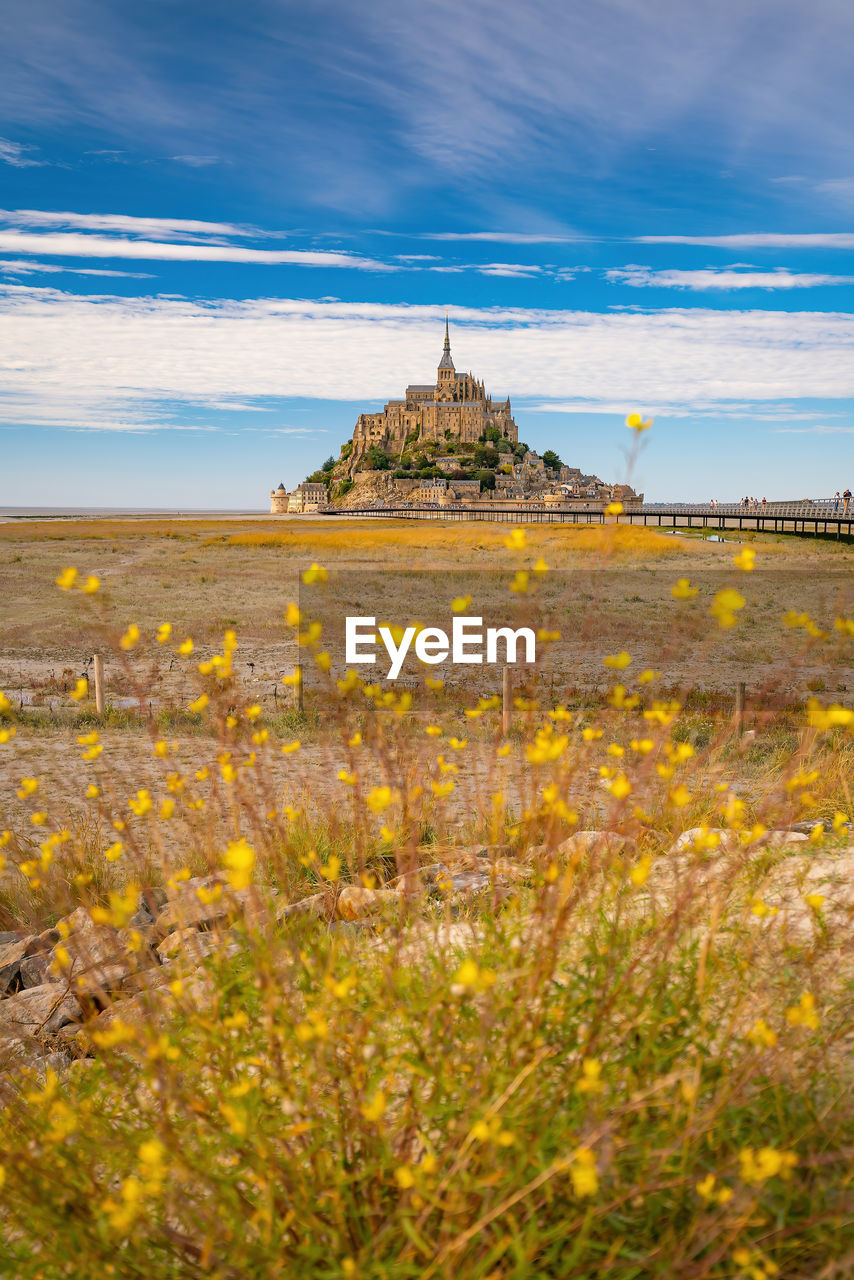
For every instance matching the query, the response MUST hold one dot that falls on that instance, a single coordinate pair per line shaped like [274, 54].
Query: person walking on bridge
[846, 500]
[836, 501]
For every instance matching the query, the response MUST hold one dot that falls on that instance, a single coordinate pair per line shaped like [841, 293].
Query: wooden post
[98, 663]
[506, 701]
[740, 691]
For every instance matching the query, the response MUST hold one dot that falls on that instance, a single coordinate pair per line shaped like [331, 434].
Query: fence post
[740, 691]
[506, 701]
[98, 663]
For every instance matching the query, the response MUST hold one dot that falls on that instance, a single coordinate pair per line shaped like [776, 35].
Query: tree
[328, 464]
[551, 460]
[375, 459]
[486, 478]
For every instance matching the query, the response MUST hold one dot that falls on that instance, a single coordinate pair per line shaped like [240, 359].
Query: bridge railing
[806, 507]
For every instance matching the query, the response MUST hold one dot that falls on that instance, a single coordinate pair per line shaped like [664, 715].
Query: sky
[227, 229]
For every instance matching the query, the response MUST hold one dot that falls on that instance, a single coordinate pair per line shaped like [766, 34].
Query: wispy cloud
[18, 155]
[20, 267]
[722, 279]
[75, 244]
[761, 240]
[817, 430]
[499, 237]
[196, 162]
[71, 359]
[124, 223]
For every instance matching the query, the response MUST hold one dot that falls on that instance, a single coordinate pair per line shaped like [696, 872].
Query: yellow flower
[405, 1177]
[28, 787]
[620, 787]
[200, 703]
[803, 1014]
[80, 690]
[470, 976]
[639, 874]
[92, 792]
[290, 747]
[646, 677]
[91, 585]
[67, 579]
[185, 647]
[164, 631]
[725, 606]
[130, 637]
[680, 796]
[745, 559]
[315, 574]
[460, 604]
[434, 683]
[636, 423]
[762, 1035]
[161, 748]
[582, 1172]
[767, 1162]
[323, 660]
[617, 660]
[517, 540]
[442, 789]
[239, 859]
[375, 1109]
[591, 1070]
[814, 900]
[331, 870]
[142, 804]
[683, 590]
[114, 852]
[378, 799]
[614, 509]
[167, 808]
[761, 909]
[520, 582]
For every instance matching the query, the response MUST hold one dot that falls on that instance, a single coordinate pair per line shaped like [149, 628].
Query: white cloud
[511, 270]
[73, 244]
[724, 279]
[103, 360]
[760, 240]
[196, 162]
[19, 267]
[817, 430]
[17, 155]
[499, 237]
[161, 228]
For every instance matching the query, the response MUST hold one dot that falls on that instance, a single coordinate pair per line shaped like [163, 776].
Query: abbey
[456, 407]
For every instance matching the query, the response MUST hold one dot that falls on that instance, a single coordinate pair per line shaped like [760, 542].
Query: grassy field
[570, 1042]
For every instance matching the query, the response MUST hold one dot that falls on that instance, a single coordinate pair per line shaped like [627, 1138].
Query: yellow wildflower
[130, 637]
[582, 1172]
[635, 422]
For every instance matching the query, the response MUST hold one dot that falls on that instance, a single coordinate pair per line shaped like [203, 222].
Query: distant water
[104, 513]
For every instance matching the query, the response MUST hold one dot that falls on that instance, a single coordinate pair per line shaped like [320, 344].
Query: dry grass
[617, 1062]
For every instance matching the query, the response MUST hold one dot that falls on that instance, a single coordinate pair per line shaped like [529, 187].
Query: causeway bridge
[821, 517]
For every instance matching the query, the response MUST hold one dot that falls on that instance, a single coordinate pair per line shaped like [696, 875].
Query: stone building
[307, 496]
[455, 407]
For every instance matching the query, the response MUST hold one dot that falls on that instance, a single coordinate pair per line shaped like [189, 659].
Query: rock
[36, 970]
[43, 941]
[421, 879]
[695, 838]
[194, 946]
[10, 935]
[319, 905]
[467, 857]
[355, 903]
[186, 908]
[11, 956]
[597, 842]
[38, 1010]
[776, 839]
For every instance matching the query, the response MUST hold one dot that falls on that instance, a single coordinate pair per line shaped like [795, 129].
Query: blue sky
[226, 229]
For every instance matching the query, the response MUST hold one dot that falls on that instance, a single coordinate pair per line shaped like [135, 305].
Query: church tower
[447, 372]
